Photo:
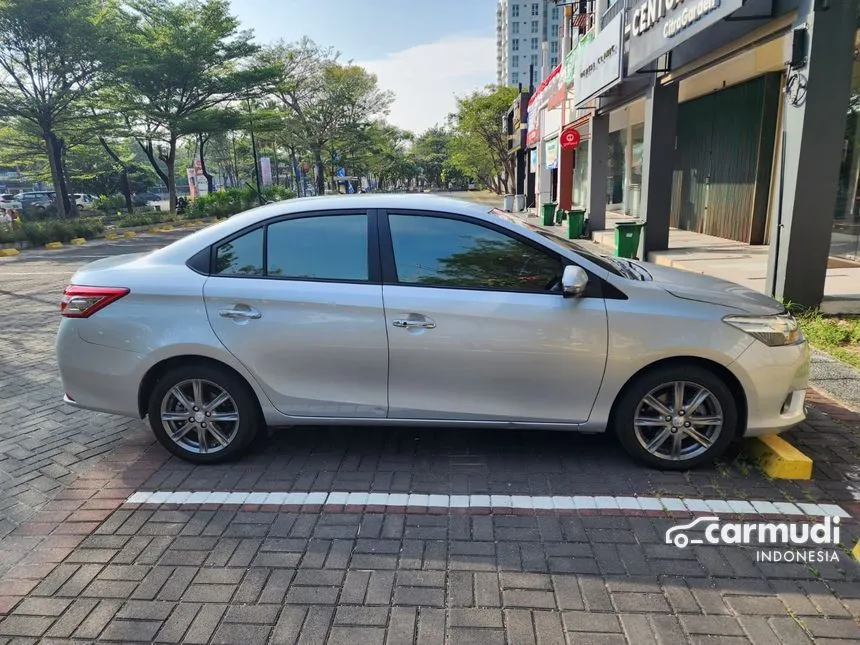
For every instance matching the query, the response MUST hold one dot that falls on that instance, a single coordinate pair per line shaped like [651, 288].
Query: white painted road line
[415, 501]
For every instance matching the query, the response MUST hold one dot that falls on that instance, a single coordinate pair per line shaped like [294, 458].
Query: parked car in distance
[144, 198]
[422, 310]
[9, 202]
[37, 199]
[85, 201]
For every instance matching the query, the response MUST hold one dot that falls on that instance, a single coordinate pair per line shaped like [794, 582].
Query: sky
[427, 53]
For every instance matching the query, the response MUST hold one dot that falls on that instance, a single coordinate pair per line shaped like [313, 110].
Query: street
[80, 561]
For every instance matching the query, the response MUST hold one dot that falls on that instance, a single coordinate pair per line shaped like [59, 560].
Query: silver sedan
[421, 310]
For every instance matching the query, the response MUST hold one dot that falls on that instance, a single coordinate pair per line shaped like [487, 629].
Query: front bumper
[775, 381]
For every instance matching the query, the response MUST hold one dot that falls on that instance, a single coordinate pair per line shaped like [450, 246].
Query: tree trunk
[319, 166]
[295, 163]
[170, 162]
[57, 175]
[126, 190]
[150, 154]
[210, 184]
[125, 186]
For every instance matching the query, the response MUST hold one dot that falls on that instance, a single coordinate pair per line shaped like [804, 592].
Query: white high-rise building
[527, 37]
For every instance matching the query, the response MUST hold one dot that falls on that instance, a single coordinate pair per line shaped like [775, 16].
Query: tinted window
[326, 247]
[241, 256]
[447, 252]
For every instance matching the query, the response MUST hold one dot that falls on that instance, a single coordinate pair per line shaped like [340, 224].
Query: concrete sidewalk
[731, 260]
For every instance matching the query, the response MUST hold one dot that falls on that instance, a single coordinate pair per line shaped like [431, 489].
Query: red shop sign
[570, 139]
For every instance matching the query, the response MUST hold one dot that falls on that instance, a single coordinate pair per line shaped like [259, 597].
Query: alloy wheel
[678, 421]
[199, 416]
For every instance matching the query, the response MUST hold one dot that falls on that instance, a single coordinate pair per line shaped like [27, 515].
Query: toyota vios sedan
[422, 310]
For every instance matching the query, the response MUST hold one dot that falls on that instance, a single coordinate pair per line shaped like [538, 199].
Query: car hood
[703, 288]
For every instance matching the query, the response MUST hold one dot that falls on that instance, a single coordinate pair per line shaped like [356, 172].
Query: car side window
[323, 247]
[242, 255]
[437, 251]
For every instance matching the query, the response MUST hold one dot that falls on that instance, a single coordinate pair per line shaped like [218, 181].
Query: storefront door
[724, 161]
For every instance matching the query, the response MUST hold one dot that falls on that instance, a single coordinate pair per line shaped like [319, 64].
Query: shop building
[731, 118]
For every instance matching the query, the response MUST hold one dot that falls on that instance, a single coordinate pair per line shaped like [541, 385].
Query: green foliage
[51, 54]
[110, 203]
[55, 230]
[224, 203]
[839, 336]
[480, 148]
[141, 219]
[431, 151]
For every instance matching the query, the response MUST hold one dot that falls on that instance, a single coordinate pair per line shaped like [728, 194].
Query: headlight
[774, 331]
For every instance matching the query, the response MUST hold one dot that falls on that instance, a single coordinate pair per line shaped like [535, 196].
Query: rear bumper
[96, 377]
[775, 381]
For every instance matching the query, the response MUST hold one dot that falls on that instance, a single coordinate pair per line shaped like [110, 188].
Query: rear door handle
[238, 314]
[405, 323]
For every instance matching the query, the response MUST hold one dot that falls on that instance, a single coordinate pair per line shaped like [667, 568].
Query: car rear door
[478, 328]
[299, 302]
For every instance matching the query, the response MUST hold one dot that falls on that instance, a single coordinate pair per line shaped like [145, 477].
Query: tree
[431, 151]
[51, 54]
[327, 98]
[206, 124]
[180, 61]
[480, 146]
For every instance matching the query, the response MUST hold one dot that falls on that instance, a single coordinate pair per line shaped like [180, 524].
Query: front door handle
[240, 314]
[405, 323]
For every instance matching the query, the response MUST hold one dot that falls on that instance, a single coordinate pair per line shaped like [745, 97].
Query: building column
[566, 161]
[814, 131]
[543, 178]
[628, 166]
[598, 156]
[661, 111]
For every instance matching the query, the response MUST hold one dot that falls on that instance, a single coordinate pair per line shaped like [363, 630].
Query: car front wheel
[203, 413]
[676, 417]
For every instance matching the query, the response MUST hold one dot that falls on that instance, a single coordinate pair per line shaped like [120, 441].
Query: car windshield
[616, 266]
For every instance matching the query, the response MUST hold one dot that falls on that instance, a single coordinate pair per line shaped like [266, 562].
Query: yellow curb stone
[54, 245]
[78, 241]
[165, 229]
[855, 552]
[153, 229]
[129, 234]
[778, 458]
[111, 236]
[8, 253]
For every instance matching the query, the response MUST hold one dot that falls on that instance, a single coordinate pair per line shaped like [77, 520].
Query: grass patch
[839, 336]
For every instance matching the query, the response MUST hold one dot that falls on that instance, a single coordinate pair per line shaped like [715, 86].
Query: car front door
[478, 328]
[299, 302]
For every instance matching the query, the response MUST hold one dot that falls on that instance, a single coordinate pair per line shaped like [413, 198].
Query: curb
[54, 245]
[8, 253]
[78, 241]
[778, 458]
[129, 234]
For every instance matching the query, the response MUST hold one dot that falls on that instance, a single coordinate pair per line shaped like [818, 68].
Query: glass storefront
[580, 176]
[624, 169]
[845, 238]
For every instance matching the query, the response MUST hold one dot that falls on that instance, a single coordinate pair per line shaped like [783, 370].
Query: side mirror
[573, 281]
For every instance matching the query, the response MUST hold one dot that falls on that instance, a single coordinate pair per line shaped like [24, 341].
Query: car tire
[656, 432]
[212, 432]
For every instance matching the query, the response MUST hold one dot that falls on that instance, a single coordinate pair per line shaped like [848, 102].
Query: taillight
[83, 302]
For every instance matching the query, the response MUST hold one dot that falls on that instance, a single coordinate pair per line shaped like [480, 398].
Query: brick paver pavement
[79, 565]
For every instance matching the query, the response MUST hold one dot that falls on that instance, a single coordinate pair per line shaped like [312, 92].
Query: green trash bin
[548, 213]
[627, 238]
[575, 223]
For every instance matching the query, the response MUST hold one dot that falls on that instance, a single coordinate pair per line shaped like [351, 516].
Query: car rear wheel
[676, 417]
[203, 413]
